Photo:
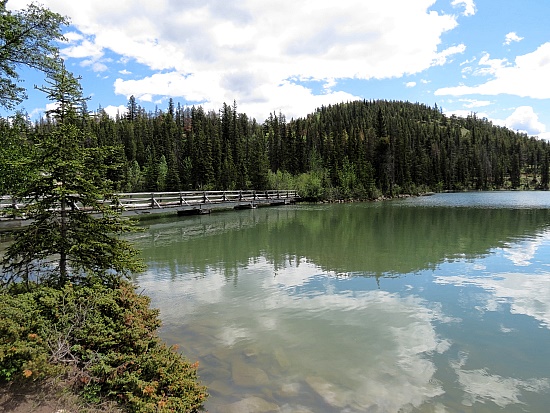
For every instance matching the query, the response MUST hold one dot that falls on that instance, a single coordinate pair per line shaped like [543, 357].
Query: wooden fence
[183, 202]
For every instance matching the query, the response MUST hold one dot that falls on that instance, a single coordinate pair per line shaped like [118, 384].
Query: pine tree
[14, 145]
[26, 39]
[64, 242]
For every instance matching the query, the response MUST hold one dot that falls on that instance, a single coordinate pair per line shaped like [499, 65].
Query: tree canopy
[64, 242]
[361, 149]
[26, 40]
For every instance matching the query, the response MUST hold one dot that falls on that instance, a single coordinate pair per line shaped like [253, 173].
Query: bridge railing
[142, 200]
[154, 200]
[8, 203]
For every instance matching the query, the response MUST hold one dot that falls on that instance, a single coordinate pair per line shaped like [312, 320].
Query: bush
[22, 351]
[103, 340]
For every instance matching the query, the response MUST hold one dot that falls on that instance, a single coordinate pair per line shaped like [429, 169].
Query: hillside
[361, 149]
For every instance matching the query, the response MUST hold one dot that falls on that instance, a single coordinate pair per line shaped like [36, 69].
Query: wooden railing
[162, 200]
[158, 200]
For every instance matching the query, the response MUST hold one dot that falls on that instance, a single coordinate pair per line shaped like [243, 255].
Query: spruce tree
[26, 39]
[64, 241]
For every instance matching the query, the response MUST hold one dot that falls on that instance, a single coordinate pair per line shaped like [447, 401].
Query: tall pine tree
[65, 242]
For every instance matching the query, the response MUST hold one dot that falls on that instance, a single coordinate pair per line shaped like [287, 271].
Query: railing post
[14, 206]
[152, 200]
[204, 197]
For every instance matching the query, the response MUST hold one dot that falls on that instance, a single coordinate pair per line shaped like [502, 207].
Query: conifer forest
[361, 149]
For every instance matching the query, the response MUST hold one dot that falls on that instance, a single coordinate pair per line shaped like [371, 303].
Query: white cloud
[490, 66]
[467, 62]
[512, 37]
[124, 72]
[250, 50]
[96, 66]
[524, 119]
[527, 77]
[469, 6]
[73, 37]
[464, 113]
[443, 57]
[473, 103]
[112, 111]
[79, 48]
[410, 84]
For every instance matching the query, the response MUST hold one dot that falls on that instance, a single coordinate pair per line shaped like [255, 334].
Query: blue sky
[491, 57]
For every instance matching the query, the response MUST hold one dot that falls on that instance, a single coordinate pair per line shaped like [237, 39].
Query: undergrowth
[103, 341]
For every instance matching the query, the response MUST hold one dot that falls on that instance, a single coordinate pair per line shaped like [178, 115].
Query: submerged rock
[252, 404]
[331, 393]
[295, 409]
[248, 376]
[289, 390]
[282, 359]
[220, 387]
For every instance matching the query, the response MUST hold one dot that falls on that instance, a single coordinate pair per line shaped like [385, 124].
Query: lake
[436, 304]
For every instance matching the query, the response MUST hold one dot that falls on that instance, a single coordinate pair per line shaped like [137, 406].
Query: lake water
[436, 304]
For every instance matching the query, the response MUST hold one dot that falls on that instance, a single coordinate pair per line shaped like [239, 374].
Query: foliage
[280, 180]
[26, 39]
[14, 147]
[105, 342]
[63, 241]
[310, 186]
[361, 149]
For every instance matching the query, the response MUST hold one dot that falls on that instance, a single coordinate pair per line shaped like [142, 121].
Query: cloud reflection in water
[356, 349]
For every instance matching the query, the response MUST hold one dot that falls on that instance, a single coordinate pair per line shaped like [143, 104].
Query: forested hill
[361, 149]
[402, 147]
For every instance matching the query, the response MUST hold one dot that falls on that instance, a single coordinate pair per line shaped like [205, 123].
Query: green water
[435, 304]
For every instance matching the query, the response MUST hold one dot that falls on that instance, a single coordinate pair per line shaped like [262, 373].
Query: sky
[489, 57]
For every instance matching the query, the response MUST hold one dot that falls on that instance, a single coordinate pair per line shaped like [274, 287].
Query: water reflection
[282, 308]
[480, 386]
[526, 293]
[335, 349]
[374, 240]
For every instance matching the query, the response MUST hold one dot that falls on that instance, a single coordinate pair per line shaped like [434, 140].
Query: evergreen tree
[14, 146]
[26, 39]
[545, 172]
[64, 242]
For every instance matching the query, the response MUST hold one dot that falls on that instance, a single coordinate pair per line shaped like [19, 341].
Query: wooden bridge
[182, 203]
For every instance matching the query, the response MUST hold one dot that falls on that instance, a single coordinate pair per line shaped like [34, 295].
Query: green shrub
[105, 342]
[22, 349]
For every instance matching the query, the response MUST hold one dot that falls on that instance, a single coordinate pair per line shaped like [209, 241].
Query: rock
[248, 376]
[220, 387]
[289, 390]
[252, 404]
[295, 409]
[250, 352]
[282, 359]
[331, 394]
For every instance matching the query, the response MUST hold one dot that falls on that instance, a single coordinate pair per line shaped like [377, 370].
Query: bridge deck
[183, 203]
